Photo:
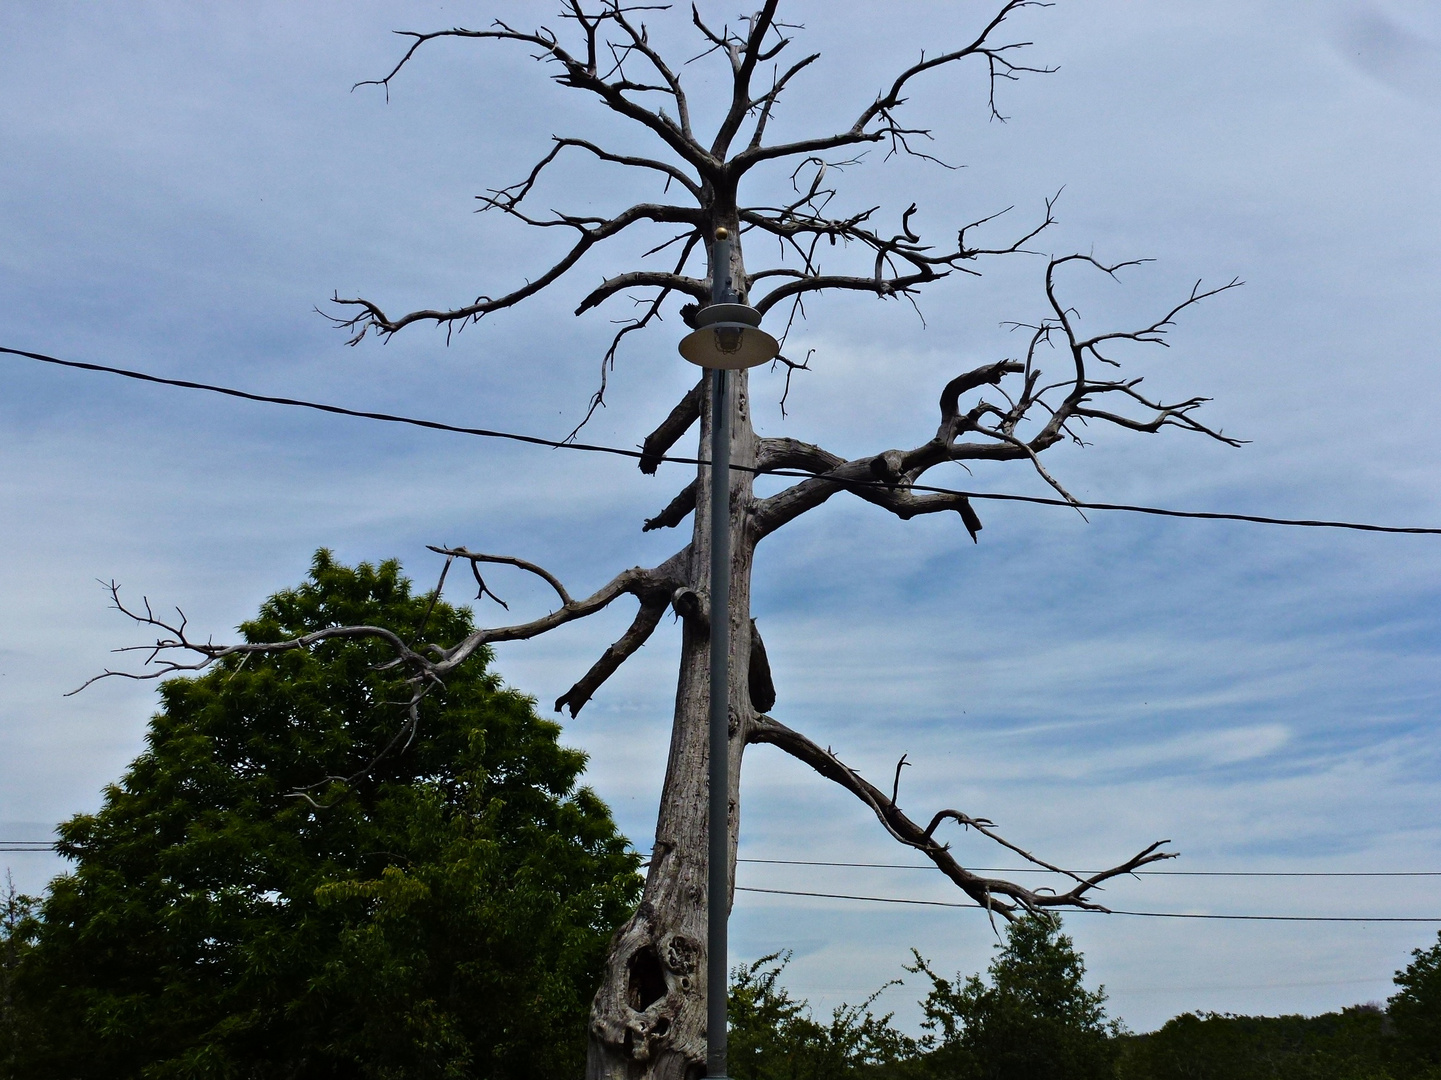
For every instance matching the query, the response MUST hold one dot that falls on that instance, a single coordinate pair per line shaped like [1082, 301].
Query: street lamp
[727, 338]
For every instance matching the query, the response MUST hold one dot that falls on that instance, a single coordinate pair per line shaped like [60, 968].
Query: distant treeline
[1032, 1018]
[1358, 1043]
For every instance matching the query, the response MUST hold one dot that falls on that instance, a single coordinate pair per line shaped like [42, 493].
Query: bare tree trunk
[649, 1016]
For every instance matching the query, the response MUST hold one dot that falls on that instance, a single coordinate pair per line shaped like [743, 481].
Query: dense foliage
[1033, 1017]
[1416, 1010]
[443, 914]
[1349, 1045]
[774, 1037]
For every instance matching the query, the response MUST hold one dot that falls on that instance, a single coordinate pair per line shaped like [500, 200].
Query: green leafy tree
[774, 1037]
[1415, 1009]
[17, 929]
[279, 888]
[1034, 1019]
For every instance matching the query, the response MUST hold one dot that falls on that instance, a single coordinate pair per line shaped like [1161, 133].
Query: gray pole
[718, 884]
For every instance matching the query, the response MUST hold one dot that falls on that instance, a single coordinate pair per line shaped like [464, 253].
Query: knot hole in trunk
[646, 985]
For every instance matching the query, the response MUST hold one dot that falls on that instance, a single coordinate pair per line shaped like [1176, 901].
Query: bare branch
[581, 74]
[369, 316]
[607, 362]
[676, 511]
[882, 110]
[994, 429]
[671, 172]
[506, 560]
[773, 453]
[791, 367]
[174, 640]
[741, 87]
[640, 279]
[1004, 897]
[686, 413]
[768, 100]
[640, 44]
[427, 665]
[859, 477]
[652, 607]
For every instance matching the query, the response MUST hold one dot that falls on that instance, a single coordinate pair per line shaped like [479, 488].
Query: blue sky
[181, 186]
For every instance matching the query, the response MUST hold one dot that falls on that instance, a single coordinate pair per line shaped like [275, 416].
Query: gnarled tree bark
[651, 1006]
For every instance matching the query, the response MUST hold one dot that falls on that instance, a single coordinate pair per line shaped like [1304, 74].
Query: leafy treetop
[277, 889]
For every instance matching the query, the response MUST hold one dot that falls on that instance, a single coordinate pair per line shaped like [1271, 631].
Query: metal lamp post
[728, 338]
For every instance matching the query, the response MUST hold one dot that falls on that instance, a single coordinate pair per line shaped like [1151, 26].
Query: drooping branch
[425, 667]
[652, 607]
[859, 478]
[475, 558]
[676, 511]
[1006, 898]
[637, 581]
[653, 307]
[676, 424]
[759, 681]
[641, 279]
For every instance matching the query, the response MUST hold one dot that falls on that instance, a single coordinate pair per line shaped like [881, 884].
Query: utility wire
[1112, 911]
[40, 845]
[534, 440]
[1146, 873]
[389, 418]
[981, 907]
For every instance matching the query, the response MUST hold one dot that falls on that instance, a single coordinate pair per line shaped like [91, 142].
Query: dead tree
[648, 1018]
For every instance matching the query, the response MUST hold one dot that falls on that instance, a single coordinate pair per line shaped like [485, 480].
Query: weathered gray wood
[661, 950]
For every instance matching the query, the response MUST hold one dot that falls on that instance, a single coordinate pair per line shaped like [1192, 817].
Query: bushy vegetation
[1350, 1045]
[1031, 1017]
[445, 913]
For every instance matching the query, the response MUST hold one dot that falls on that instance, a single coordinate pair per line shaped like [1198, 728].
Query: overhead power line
[596, 448]
[41, 845]
[338, 410]
[1145, 873]
[1112, 911]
